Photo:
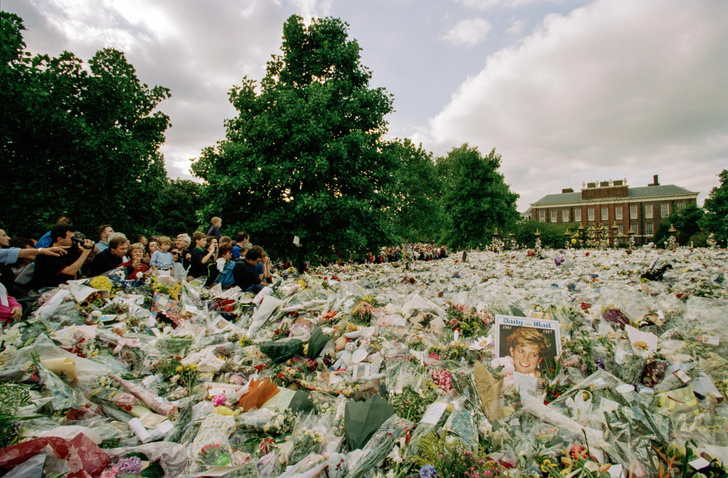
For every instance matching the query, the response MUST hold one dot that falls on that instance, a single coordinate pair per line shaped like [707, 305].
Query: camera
[78, 238]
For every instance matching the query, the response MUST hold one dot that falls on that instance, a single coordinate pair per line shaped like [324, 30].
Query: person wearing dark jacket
[109, 258]
[245, 273]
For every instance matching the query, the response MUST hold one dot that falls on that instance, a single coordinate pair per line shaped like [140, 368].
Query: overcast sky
[566, 91]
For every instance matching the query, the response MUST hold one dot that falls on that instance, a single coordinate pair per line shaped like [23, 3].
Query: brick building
[609, 203]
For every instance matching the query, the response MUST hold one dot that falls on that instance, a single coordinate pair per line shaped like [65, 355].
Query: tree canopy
[475, 197]
[416, 211]
[716, 210]
[304, 155]
[77, 141]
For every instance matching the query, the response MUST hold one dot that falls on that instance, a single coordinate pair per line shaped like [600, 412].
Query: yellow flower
[101, 282]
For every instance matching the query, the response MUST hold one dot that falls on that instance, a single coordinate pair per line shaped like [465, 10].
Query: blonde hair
[528, 336]
[164, 240]
[137, 245]
[215, 220]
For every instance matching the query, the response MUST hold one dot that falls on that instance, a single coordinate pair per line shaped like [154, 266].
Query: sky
[566, 91]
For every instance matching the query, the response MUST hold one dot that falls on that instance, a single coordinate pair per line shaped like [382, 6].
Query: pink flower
[219, 400]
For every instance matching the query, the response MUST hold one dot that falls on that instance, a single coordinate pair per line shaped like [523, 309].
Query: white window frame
[541, 215]
[649, 229]
[554, 216]
[577, 215]
[635, 228]
[565, 215]
[680, 206]
[664, 210]
[605, 214]
[633, 211]
[648, 211]
[590, 213]
[617, 213]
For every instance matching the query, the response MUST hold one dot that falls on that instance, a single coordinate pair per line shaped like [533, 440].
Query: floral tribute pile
[377, 371]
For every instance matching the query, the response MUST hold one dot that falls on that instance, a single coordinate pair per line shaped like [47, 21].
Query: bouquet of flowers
[307, 438]
[214, 454]
[444, 458]
[379, 446]
[12, 398]
[452, 351]
[468, 320]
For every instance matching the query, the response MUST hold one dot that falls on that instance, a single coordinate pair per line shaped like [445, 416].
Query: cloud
[610, 87]
[468, 32]
[170, 44]
[516, 28]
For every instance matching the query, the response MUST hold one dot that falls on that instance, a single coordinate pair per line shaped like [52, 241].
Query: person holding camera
[51, 271]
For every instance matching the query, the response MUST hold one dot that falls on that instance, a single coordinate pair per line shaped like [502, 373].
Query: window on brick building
[648, 211]
[565, 215]
[554, 216]
[633, 212]
[605, 214]
[542, 216]
[680, 206]
[664, 210]
[577, 215]
[618, 213]
[590, 213]
[620, 230]
[635, 228]
[649, 229]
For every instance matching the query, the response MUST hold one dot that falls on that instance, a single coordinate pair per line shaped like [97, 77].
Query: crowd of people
[64, 254]
[416, 252]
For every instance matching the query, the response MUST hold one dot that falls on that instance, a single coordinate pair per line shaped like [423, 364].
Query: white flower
[395, 456]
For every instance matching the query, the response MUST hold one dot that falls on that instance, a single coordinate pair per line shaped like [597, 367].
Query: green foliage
[552, 235]
[80, 141]
[452, 458]
[416, 213]
[12, 398]
[179, 202]
[304, 155]
[475, 197]
[716, 210]
[686, 223]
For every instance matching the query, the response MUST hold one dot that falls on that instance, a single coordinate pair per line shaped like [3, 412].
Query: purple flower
[600, 364]
[428, 471]
[130, 466]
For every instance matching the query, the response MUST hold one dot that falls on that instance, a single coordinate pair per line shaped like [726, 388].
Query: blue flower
[428, 471]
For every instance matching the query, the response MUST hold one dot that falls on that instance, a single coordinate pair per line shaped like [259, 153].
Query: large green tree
[81, 141]
[179, 201]
[475, 197]
[716, 210]
[686, 222]
[416, 212]
[304, 155]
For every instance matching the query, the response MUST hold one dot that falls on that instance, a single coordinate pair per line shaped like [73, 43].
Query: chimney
[655, 182]
[567, 190]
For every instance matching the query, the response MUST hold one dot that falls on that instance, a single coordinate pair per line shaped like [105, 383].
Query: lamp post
[672, 241]
[567, 236]
[615, 230]
[631, 238]
[496, 243]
